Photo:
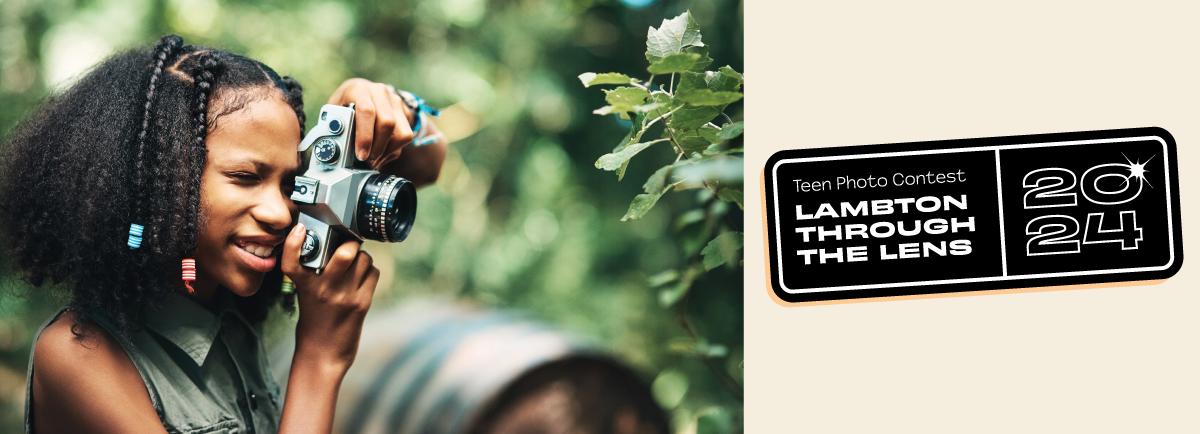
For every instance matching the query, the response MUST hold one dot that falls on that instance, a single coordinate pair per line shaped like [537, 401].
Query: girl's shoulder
[85, 381]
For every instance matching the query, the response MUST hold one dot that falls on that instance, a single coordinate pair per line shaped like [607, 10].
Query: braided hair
[126, 144]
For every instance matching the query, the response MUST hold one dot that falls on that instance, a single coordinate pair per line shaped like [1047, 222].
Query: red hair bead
[189, 274]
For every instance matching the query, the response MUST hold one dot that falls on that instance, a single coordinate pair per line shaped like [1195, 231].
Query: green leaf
[629, 138]
[646, 108]
[678, 62]
[704, 60]
[616, 159]
[722, 249]
[642, 204]
[726, 170]
[706, 97]
[693, 117]
[691, 81]
[621, 170]
[725, 80]
[658, 181]
[590, 79]
[731, 195]
[623, 99]
[635, 130]
[672, 36]
[700, 140]
[731, 131]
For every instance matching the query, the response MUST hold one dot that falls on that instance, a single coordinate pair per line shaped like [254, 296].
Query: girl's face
[246, 196]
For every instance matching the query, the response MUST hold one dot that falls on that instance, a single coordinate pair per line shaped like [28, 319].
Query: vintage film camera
[339, 202]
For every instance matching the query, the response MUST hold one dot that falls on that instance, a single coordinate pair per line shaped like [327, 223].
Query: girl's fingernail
[298, 229]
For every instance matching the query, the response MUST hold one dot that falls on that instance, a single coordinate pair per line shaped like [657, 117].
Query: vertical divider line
[1000, 207]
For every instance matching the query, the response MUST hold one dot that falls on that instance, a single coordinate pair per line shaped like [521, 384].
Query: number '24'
[1054, 187]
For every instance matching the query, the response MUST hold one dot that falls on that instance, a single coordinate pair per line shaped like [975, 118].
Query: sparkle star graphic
[1137, 170]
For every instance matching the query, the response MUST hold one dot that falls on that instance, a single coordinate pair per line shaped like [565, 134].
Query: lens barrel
[386, 208]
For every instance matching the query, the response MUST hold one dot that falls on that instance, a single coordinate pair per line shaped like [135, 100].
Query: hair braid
[197, 152]
[166, 48]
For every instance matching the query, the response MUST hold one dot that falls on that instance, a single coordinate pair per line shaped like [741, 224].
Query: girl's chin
[247, 284]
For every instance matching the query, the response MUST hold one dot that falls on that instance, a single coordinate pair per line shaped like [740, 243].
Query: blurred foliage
[519, 218]
[685, 112]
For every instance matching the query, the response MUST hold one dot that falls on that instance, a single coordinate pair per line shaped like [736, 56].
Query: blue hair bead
[135, 235]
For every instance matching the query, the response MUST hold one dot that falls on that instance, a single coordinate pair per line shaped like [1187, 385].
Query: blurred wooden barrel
[439, 368]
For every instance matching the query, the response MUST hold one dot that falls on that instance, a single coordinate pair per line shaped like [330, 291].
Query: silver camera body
[340, 202]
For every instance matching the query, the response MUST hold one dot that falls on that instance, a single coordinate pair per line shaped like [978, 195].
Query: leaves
[624, 99]
[671, 37]
[725, 79]
[678, 62]
[658, 181]
[726, 170]
[691, 81]
[697, 140]
[731, 131]
[690, 117]
[590, 79]
[731, 195]
[722, 249]
[703, 97]
[614, 160]
[703, 61]
[642, 204]
[693, 117]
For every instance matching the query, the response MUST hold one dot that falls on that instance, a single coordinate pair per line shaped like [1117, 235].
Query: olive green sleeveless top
[205, 373]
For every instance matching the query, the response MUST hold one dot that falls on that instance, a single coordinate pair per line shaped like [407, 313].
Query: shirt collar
[190, 326]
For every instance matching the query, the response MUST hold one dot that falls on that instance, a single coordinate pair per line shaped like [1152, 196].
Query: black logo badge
[974, 214]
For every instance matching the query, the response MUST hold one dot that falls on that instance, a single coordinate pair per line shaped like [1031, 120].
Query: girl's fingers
[364, 120]
[385, 121]
[369, 282]
[291, 251]
[390, 157]
[362, 265]
[342, 258]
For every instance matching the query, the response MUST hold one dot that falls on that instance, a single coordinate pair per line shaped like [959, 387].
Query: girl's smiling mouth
[257, 254]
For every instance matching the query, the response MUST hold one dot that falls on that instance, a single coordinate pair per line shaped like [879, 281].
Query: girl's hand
[383, 122]
[383, 131]
[333, 304]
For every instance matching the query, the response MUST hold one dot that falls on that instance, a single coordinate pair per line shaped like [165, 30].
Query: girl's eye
[245, 176]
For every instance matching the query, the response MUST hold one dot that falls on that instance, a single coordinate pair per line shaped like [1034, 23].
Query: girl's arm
[332, 308]
[87, 384]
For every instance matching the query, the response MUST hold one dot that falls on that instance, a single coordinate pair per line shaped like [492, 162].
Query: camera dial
[326, 151]
[310, 246]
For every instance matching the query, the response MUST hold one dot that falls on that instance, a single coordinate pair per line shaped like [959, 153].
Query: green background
[520, 218]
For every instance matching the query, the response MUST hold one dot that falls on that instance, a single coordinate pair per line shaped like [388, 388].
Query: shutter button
[253, 402]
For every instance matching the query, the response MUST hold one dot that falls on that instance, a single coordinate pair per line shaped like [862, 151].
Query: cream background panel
[1115, 359]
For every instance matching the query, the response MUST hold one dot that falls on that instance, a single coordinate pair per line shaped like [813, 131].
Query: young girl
[157, 157]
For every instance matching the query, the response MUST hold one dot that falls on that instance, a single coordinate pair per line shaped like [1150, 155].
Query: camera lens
[387, 206]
